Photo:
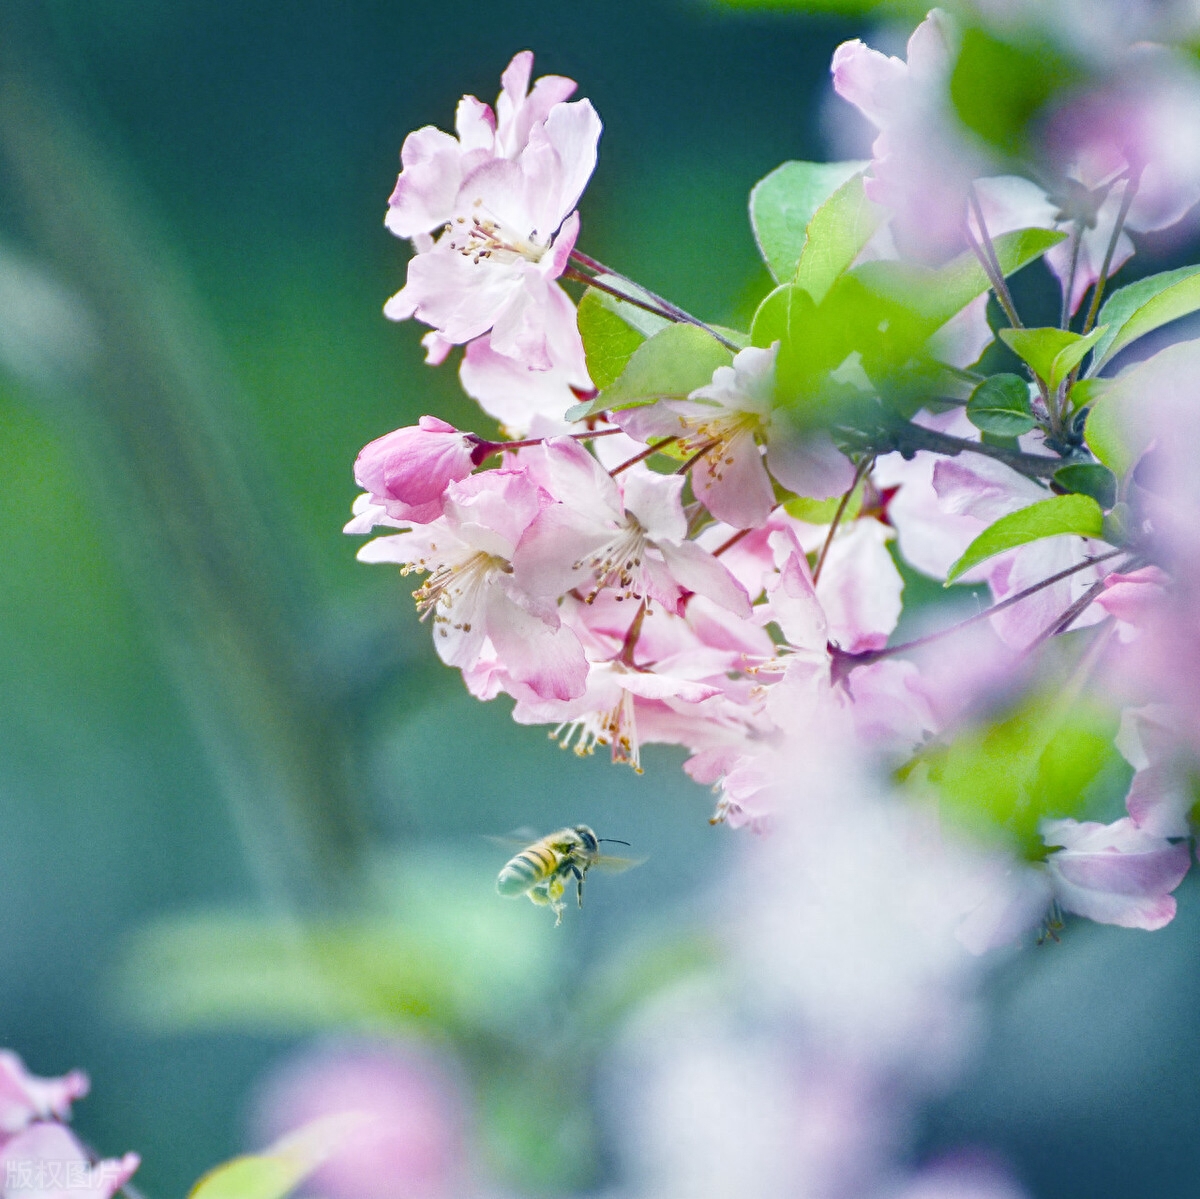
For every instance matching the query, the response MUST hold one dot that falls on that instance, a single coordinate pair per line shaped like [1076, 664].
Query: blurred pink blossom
[412, 1143]
[25, 1097]
[1115, 873]
[46, 1161]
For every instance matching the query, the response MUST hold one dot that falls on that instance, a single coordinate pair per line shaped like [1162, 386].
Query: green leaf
[837, 232]
[282, 1168]
[608, 341]
[1087, 391]
[1089, 478]
[783, 204]
[674, 362]
[822, 512]
[1047, 760]
[1000, 405]
[774, 315]
[997, 88]
[1062, 514]
[1138, 309]
[1052, 354]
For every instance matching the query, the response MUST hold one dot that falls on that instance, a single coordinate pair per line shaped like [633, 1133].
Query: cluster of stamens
[617, 564]
[709, 437]
[481, 238]
[616, 727]
[447, 582]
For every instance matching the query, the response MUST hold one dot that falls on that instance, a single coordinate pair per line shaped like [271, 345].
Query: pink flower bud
[409, 469]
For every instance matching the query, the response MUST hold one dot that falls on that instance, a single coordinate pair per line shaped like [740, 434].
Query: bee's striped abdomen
[530, 867]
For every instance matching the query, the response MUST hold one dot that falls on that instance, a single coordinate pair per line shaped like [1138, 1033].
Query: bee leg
[578, 884]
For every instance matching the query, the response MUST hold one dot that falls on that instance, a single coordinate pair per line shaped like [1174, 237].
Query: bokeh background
[241, 802]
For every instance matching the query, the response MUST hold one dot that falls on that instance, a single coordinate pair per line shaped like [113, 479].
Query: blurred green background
[209, 707]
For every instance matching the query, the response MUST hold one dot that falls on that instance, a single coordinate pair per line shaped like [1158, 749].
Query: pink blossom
[25, 1098]
[1114, 873]
[1133, 598]
[411, 1142]
[435, 163]
[922, 163]
[45, 1161]
[632, 538]
[1150, 740]
[471, 591]
[722, 423]
[510, 232]
[520, 395]
[1143, 120]
[407, 471]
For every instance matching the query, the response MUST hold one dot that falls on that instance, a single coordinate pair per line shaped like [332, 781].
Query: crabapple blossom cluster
[699, 536]
[40, 1158]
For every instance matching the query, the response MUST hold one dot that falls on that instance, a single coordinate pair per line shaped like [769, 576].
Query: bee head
[590, 842]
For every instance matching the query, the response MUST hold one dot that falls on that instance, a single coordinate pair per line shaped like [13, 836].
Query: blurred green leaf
[1052, 354]
[783, 203]
[1055, 517]
[272, 1174]
[1138, 309]
[1046, 760]
[429, 955]
[608, 340]
[1001, 406]
[884, 311]
[997, 88]
[1089, 478]
[674, 362]
[836, 234]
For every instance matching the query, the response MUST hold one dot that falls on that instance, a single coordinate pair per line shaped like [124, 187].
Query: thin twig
[1131, 185]
[730, 542]
[580, 277]
[646, 453]
[867, 657]
[1064, 620]
[665, 308]
[910, 438]
[859, 474]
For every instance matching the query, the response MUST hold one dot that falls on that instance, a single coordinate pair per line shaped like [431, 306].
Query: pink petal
[741, 494]
[655, 500]
[860, 587]
[423, 199]
[698, 571]
[548, 660]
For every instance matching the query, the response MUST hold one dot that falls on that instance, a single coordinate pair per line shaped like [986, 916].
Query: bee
[544, 869]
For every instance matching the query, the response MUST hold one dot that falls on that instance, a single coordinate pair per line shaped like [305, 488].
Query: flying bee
[544, 869]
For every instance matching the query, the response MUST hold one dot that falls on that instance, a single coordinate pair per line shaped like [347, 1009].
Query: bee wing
[518, 839]
[611, 864]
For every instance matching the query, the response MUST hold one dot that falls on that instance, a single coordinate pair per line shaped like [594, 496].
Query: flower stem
[1064, 320]
[860, 473]
[646, 453]
[730, 542]
[1131, 185]
[986, 253]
